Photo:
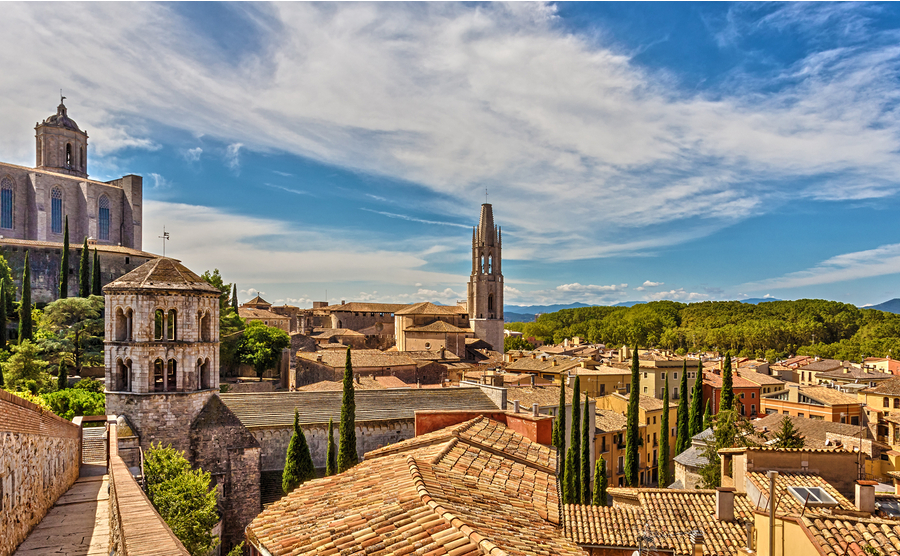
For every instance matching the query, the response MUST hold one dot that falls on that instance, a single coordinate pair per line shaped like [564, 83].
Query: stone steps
[93, 447]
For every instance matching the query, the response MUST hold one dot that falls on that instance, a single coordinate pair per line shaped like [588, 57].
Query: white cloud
[192, 155]
[648, 284]
[414, 219]
[233, 155]
[159, 182]
[679, 294]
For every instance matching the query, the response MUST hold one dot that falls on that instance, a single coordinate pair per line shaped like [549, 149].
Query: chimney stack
[865, 496]
[534, 410]
[515, 406]
[532, 380]
[725, 503]
[697, 541]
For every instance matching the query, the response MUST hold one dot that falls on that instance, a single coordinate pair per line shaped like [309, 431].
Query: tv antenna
[165, 238]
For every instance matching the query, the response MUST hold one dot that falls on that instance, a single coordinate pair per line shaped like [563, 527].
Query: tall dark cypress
[726, 398]
[631, 431]
[234, 300]
[25, 325]
[569, 492]
[599, 494]
[298, 464]
[575, 441]
[696, 415]
[585, 454]
[663, 466]
[84, 272]
[3, 317]
[347, 456]
[707, 416]
[96, 288]
[683, 427]
[331, 451]
[559, 432]
[64, 265]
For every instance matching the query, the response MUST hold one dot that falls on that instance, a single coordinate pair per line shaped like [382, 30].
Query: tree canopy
[261, 346]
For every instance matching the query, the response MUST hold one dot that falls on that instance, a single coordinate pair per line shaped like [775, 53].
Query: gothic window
[490, 263]
[6, 203]
[68, 155]
[171, 369]
[204, 374]
[491, 302]
[159, 323]
[104, 217]
[82, 158]
[121, 324]
[56, 210]
[159, 376]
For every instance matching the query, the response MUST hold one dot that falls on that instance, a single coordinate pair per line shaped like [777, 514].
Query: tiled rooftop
[161, 274]
[427, 308]
[438, 326]
[254, 313]
[787, 503]
[359, 358]
[846, 535]
[759, 378]
[607, 420]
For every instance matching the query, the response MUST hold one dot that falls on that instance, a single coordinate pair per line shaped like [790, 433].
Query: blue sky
[632, 151]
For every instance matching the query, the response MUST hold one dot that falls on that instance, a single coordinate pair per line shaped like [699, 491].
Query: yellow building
[550, 367]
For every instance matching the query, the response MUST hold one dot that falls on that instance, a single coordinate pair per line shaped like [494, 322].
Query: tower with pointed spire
[485, 299]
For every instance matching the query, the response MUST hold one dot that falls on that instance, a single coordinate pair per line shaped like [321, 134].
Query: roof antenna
[164, 237]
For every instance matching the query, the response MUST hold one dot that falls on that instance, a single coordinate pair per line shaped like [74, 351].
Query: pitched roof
[788, 503]
[823, 365]
[257, 301]
[100, 247]
[365, 383]
[759, 378]
[563, 362]
[715, 381]
[332, 332]
[254, 313]
[354, 307]
[828, 396]
[474, 488]
[853, 373]
[161, 274]
[427, 308]
[607, 420]
[814, 431]
[672, 513]
[359, 358]
[276, 409]
[847, 535]
[890, 387]
[438, 326]
[544, 396]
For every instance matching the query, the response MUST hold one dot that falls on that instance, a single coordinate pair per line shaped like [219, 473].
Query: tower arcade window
[104, 217]
[82, 158]
[159, 377]
[172, 324]
[171, 369]
[56, 210]
[6, 203]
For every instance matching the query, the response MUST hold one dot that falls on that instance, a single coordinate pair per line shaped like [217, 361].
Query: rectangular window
[6, 208]
[675, 377]
[57, 217]
[800, 415]
[645, 389]
[742, 395]
[753, 395]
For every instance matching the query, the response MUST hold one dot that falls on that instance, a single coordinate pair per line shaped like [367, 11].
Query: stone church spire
[485, 292]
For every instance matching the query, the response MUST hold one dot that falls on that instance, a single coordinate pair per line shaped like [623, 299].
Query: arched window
[104, 217]
[205, 329]
[69, 155]
[171, 381]
[6, 203]
[159, 325]
[129, 325]
[490, 263]
[203, 368]
[56, 210]
[171, 325]
[121, 323]
[159, 376]
[490, 302]
[121, 379]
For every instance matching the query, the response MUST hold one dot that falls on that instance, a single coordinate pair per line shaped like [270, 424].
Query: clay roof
[257, 301]
[161, 274]
[276, 409]
[100, 247]
[828, 396]
[253, 313]
[671, 512]
[788, 503]
[822, 365]
[354, 307]
[814, 431]
[427, 308]
[715, 381]
[606, 420]
[847, 535]
[337, 358]
[544, 396]
[332, 332]
[474, 488]
[545, 364]
[432, 355]
[853, 373]
[438, 326]
[890, 387]
[759, 378]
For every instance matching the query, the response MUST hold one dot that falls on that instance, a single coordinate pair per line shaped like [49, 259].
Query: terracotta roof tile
[788, 503]
[161, 274]
[428, 308]
[847, 535]
[438, 326]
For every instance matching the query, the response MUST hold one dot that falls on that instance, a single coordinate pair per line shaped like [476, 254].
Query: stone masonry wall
[40, 456]
[370, 435]
[161, 417]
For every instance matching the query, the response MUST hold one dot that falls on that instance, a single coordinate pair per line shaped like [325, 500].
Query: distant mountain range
[892, 306]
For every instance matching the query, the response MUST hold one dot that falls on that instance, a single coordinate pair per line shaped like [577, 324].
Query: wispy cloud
[233, 155]
[288, 189]
[414, 219]
[192, 155]
[159, 182]
[648, 284]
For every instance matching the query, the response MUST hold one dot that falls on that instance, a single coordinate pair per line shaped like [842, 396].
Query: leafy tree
[72, 329]
[787, 436]
[516, 342]
[683, 426]
[84, 272]
[707, 416]
[729, 430]
[726, 398]
[26, 370]
[585, 495]
[182, 497]
[238, 550]
[234, 298]
[347, 456]
[631, 431]
[64, 264]
[696, 414]
[25, 324]
[89, 385]
[215, 280]
[575, 441]
[62, 376]
[96, 283]
[331, 452]
[663, 463]
[600, 482]
[262, 345]
[4, 293]
[570, 495]
[72, 402]
[298, 467]
[559, 430]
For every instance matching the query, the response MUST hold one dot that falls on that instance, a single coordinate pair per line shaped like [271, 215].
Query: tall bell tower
[485, 301]
[61, 145]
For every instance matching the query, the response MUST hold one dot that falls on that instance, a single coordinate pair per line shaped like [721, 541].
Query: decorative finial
[62, 99]
[485, 195]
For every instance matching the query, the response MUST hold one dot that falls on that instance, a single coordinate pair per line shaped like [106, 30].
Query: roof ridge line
[445, 514]
[507, 455]
[150, 273]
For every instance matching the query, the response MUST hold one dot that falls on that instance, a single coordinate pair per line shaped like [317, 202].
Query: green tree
[570, 495]
[234, 298]
[298, 466]
[787, 436]
[347, 456]
[663, 463]
[182, 497]
[84, 272]
[72, 402]
[696, 414]
[238, 550]
[62, 376]
[4, 293]
[575, 440]
[683, 426]
[25, 370]
[559, 431]
[516, 342]
[215, 280]
[96, 282]
[331, 452]
[600, 483]
[727, 396]
[585, 495]
[707, 416]
[25, 323]
[64, 264]
[72, 328]
[262, 345]
[729, 430]
[631, 431]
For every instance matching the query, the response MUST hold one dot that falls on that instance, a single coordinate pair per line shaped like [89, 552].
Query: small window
[752, 395]
[742, 395]
[104, 217]
[654, 419]
[886, 402]
[812, 496]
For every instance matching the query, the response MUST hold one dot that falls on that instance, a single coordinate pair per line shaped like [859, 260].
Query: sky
[631, 151]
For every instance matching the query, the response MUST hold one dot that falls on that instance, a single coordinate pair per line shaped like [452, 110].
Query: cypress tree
[298, 466]
[585, 455]
[62, 379]
[234, 300]
[331, 453]
[96, 288]
[3, 317]
[707, 416]
[599, 497]
[696, 415]
[347, 456]
[726, 398]
[631, 432]
[663, 463]
[559, 432]
[25, 325]
[569, 493]
[576, 441]
[683, 427]
[64, 265]
[84, 273]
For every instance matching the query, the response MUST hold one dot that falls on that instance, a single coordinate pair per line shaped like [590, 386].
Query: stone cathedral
[485, 299]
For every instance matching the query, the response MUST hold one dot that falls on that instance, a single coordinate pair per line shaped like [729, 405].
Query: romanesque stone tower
[61, 146]
[161, 349]
[485, 301]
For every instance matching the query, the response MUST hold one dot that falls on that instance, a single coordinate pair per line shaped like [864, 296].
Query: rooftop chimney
[515, 406]
[532, 380]
[697, 540]
[725, 503]
[554, 363]
[865, 496]
[534, 410]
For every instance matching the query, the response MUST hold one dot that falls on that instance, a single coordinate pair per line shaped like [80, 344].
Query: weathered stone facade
[485, 294]
[159, 417]
[40, 455]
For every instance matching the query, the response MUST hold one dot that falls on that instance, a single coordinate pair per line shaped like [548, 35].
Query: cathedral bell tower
[61, 145]
[485, 300]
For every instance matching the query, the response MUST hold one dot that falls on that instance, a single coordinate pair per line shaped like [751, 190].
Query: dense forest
[771, 330]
